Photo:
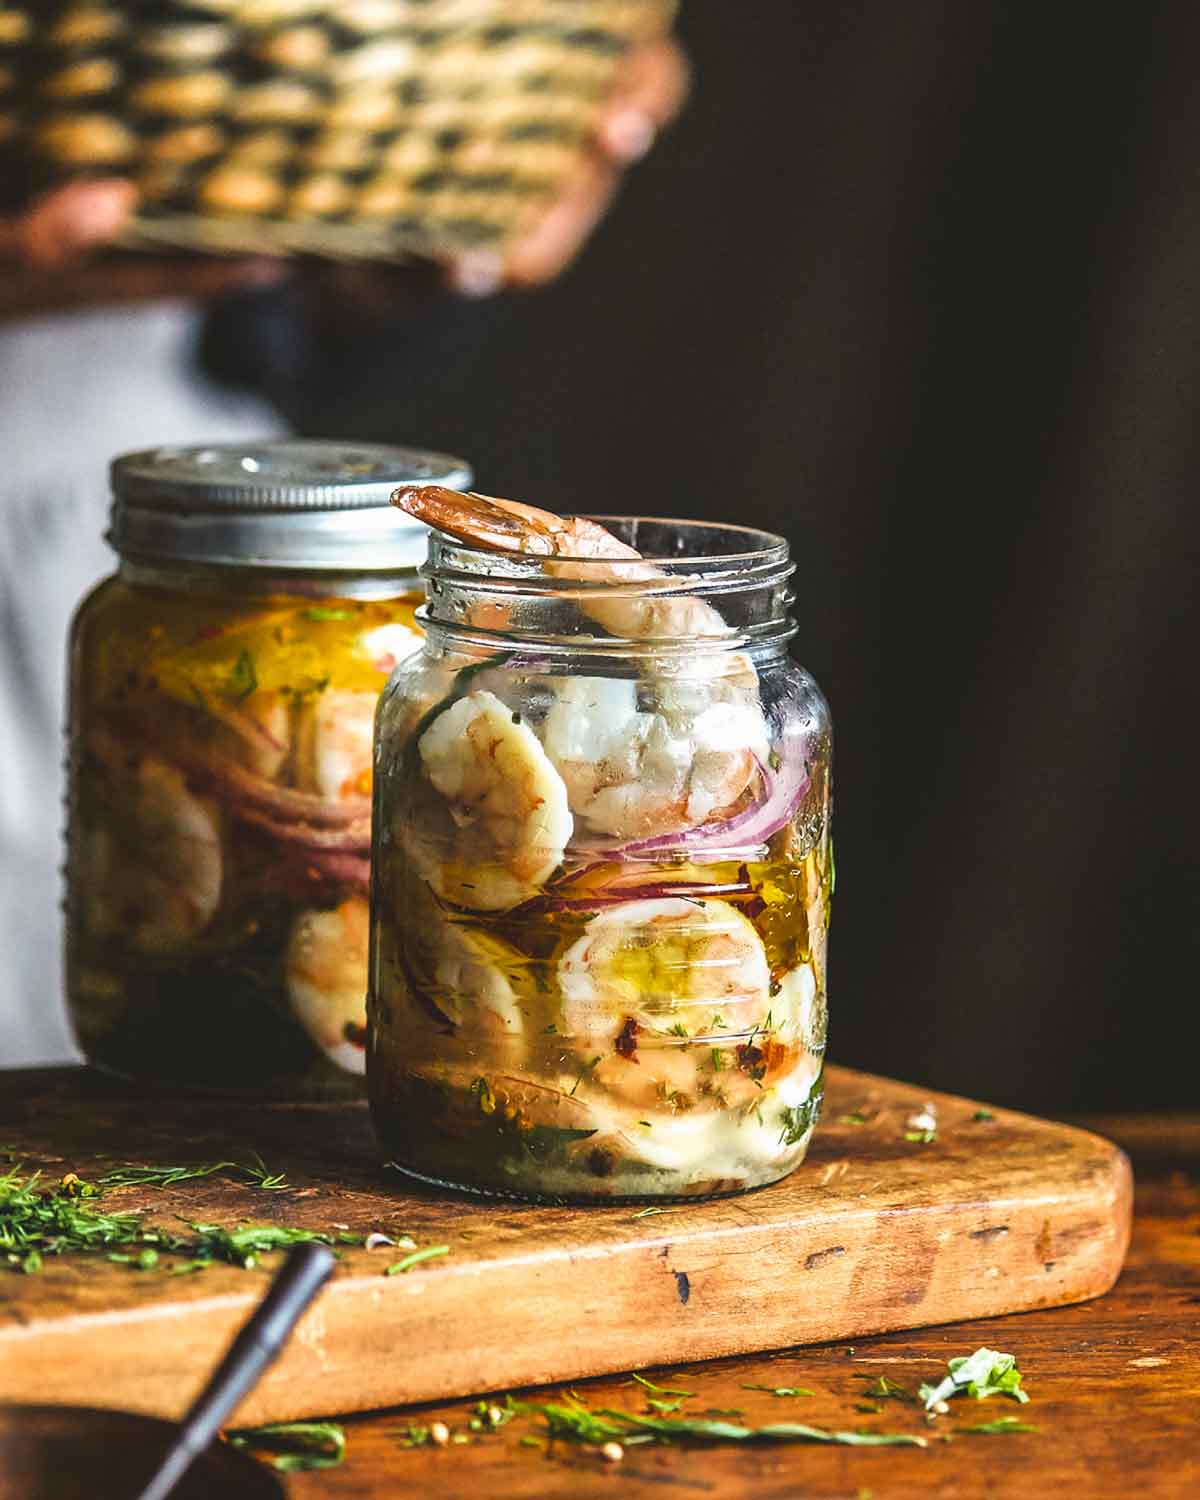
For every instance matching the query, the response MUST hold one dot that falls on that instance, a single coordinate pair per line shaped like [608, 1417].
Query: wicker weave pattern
[362, 128]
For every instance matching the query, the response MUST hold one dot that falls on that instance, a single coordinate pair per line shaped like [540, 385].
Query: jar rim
[761, 548]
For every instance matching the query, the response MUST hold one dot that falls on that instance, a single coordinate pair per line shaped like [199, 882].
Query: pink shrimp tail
[507, 525]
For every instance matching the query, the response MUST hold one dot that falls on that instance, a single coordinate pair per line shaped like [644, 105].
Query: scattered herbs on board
[41, 1218]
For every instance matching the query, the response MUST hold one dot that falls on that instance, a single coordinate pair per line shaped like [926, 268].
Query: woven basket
[376, 128]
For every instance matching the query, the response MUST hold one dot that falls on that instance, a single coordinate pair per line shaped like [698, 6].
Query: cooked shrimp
[472, 977]
[633, 773]
[587, 553]
[630, 772]
[154, 862]
[333, 745]
[670, 1003]
[326, 971]
[388, 645]
[498, 825]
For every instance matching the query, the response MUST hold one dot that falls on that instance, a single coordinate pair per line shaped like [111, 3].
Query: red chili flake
[749, 1056]
[627, 1039]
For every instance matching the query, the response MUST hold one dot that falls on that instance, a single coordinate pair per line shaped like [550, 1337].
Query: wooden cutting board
[873, 1232]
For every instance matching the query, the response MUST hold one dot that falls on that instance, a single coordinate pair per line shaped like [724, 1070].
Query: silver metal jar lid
[301, 504]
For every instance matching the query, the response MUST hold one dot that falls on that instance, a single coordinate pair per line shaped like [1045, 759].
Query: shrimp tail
[497, 525]
[481, 521]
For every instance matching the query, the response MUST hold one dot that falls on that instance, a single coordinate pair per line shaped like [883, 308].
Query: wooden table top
[1115, 1387]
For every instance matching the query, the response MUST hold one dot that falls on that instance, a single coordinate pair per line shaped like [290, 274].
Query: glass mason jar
[223, 684]
[601, 875]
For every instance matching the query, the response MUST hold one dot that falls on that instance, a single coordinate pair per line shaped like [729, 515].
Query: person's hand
[48, 260]
[649, 92]
[47, 256]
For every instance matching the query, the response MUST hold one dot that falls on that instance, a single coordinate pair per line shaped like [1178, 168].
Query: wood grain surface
[1115, 1388]
[874, 1232]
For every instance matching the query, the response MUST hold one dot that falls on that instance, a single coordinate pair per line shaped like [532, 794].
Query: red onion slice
[741, 836]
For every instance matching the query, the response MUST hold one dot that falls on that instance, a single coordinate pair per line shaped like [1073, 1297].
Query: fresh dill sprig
[298, 1446]
[243, 1245]
[40, 1219]
[255, 1171]
[576, 1422]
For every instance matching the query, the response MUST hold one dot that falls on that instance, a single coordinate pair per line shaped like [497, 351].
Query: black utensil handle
[256, 1345]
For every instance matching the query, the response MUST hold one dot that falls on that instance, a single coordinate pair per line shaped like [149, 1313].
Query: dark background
[917, 286]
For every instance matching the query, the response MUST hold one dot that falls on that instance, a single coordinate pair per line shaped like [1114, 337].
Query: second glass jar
[602, 873]
[223, 690]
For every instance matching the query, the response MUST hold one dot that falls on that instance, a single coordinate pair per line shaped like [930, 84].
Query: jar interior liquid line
[223, 689]
[602, 862]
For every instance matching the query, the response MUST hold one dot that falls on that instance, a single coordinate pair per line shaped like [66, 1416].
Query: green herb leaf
[575, 1421]
[660, 1390]
[415, 1259]
[1001, 1424]
[798, 1120]
[320, 613]
[983, 1114]
[923, 1137]
[781, 1390]
[984, 1373]
[254, 1170]
[664, 1406]
[884, 1389]
[243, 680]
[299, 1446]
[854, 1118]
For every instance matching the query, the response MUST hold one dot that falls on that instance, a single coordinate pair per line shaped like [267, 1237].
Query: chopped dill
[255, 1171]
[781, 1390]
[1001, 1424]
[577, 1422]
[243, 680]
[659, 1390]
[431, 1252]
[298, 1446]
[883, 1389]
[983, 1114]
[40, 1219]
